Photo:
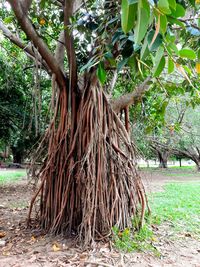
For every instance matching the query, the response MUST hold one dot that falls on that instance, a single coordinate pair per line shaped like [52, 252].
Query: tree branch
[26, 5]
[60, 50]
[68, 11]
[130, 98]
[44, 51]
[16, 40]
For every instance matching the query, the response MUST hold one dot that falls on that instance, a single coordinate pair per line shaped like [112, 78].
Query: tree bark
[89, 178]
[163, 157]
[197, 162]
[180, 163]
[17, 155]
[131, 98]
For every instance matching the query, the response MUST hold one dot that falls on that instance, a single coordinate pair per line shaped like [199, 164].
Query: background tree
[21, 121]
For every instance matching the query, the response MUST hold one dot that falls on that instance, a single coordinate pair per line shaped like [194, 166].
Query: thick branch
[68, 11]
[18, 42]
[130, 98]
[60, 50]
[14, 39]
[26, 5]
[44, 51]
[187, 153]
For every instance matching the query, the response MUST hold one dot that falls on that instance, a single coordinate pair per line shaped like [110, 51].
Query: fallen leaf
[56, 247]
[6, 253]
[2, 234]
[33, 238]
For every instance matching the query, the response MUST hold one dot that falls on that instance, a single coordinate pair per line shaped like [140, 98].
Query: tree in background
[89, 179]
[18, 117]
[186, 132]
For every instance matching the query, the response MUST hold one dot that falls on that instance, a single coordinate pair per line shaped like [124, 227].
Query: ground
[26, 247]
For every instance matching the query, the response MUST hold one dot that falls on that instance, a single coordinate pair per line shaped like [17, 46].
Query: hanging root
[89, 181]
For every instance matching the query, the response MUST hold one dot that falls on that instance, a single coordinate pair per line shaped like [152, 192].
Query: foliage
[18, 100]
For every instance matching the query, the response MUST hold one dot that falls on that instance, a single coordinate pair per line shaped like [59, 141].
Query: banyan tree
[89, 180]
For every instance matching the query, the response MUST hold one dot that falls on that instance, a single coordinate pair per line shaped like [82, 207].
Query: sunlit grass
[11, 176]
[179, 204]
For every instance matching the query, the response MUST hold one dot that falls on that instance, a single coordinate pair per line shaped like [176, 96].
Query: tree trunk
[197, 162]
[17, 155]
[162, 156]
[180, 163]
[89, 181]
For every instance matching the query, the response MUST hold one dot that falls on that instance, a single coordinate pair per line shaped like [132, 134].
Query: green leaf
[163, 24]
[8, 19]
[159, 62]
[192, 2]
[145, 50]
[198, 55]
[110, 58]
[101, 73]
[187, 69]
[143, 16]
[132, 2]
[121, 64]
[92, 62]
[132, 63]
[187, 53]
[163, 6]
[170, 37]
[128, 13]
[170, 65]
[173, 47]
[42, 4]
[179, 12]
[176, 21]
[172, 4]
[156, 43]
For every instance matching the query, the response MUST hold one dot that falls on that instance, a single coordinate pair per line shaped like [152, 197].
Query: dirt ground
[22, 247]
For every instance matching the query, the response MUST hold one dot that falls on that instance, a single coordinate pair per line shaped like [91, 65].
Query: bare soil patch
[31, 248]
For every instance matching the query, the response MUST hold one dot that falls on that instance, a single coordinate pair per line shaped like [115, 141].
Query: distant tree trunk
[163, 157]
[17, 155]
[193, 154]
[147, 162]
[180, 163]
[197, 162]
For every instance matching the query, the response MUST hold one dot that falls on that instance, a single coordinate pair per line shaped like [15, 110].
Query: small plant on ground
[132, 239]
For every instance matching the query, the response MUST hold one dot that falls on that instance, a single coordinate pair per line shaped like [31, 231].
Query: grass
[170, 168]
[183, 167]
[174, 171]
[11, 176]
[179, 204]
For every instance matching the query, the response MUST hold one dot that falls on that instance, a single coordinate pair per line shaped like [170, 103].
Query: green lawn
[11, 176]
[174, 171]
[178, 204]
[177, 208]
[170, 168]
